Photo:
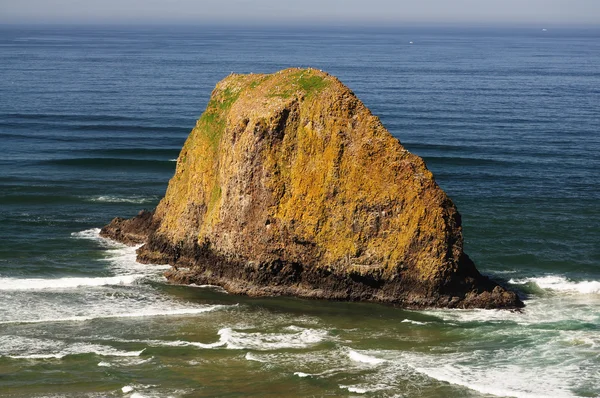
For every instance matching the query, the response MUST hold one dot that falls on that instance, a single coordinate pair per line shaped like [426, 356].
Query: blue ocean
[92, 120]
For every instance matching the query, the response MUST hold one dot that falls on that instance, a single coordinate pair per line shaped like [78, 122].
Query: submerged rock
[288, 185]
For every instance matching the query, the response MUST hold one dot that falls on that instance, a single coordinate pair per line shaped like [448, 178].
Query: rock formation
[288, 185]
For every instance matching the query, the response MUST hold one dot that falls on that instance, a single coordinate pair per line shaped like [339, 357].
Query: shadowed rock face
[288, 185]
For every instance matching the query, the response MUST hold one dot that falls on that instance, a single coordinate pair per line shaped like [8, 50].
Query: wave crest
[35, 348]
[121, 199]
[24, 284]
[363, 358]
[561, 284]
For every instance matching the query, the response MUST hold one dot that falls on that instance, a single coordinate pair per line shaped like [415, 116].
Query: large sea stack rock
[288, 185]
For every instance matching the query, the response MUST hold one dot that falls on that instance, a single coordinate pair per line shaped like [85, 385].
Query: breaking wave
[21, 284]
[121, 199]
[238, 340]
[561, 284]
[36, 348]
[363, 358]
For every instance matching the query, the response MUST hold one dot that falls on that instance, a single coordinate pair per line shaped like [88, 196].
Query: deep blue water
[91, 118]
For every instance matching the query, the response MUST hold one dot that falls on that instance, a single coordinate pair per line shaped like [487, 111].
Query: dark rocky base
[133, 231]
[337, 287]
[200, 264]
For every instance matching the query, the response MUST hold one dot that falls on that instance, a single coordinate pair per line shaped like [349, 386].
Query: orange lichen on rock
[288, 184]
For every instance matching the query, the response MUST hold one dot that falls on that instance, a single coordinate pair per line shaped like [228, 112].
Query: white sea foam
[302, 374]
[561, 284]
[414, 322]
[271, 341]
[125, 361]
[92, 233]
[36, 348]
[13, 284]
[238, 340]
[121, 199]
[355, 389]
[503, 381]
[181, 343]
[371, 370]
[504, 272]
[121, 258]
[538, 310]
[363, 358]
[72, 299]
[294, 328]
[552, 367]
[213, 287]
[252, 357]
[584, 339]
[80, 349]
[137, 314]
[150, 391]
[513, 372]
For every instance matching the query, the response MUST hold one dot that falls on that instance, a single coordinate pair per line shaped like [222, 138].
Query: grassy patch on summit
[304, 80]
[312, 83]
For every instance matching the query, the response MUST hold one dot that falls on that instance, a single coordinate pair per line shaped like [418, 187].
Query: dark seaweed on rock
[288, 185]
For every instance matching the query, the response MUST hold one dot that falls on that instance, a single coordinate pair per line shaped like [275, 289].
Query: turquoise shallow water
[91, 120]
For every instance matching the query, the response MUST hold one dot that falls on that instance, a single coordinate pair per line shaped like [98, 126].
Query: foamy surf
[363, 358]
[138, 314]
[93, 234]
[509, 381]
[252, 357]
[414, 322]
[544, 363]
[18, 347]
[121, 199]
[582, 339]
[133, 391]
[221, 342]
[238, 340]
[572, 308]
[561, 284]
[77, 299]
[302, 374]
[121, 258]
[61, 355]
[212, 287]
[354, 389]
[25, 284]
[502, 373]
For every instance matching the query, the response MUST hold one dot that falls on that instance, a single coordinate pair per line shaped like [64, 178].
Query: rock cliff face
[288, 185]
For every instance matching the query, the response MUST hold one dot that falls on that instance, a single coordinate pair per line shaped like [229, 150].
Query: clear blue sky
[538, 12]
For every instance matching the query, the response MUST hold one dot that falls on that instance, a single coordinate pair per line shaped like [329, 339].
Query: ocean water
[92, 118]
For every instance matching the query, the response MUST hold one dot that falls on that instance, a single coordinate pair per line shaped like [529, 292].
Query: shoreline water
[89, 125]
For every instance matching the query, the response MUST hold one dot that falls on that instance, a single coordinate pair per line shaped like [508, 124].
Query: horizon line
[370, 24]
